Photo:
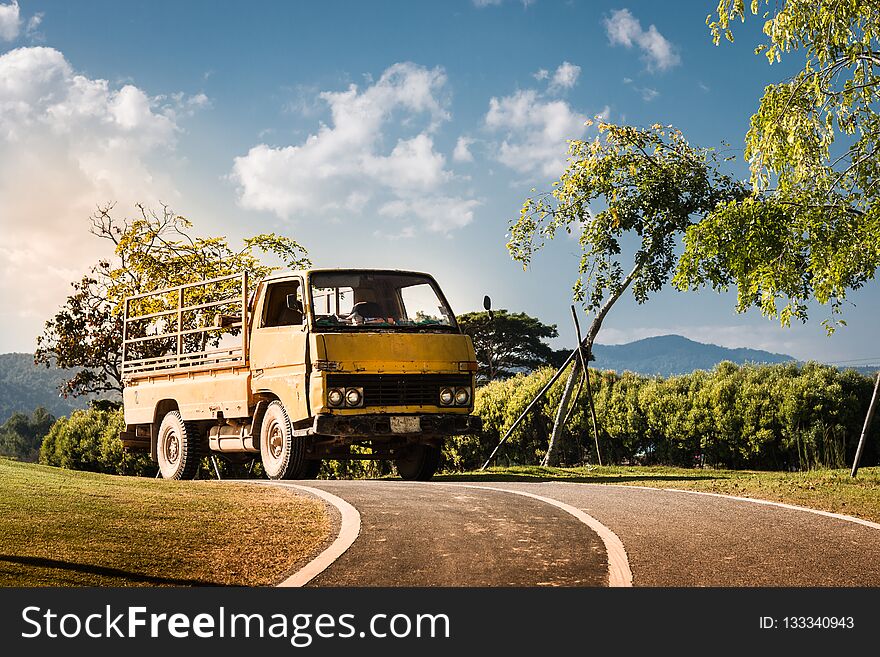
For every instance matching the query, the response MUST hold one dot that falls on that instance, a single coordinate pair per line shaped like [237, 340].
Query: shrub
[784, 416]
[89, 440]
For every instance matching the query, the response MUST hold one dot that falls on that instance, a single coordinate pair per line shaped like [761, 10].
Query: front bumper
[375, 424]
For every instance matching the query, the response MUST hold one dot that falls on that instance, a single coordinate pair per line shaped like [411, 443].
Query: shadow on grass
[577, 479]
[104, 571]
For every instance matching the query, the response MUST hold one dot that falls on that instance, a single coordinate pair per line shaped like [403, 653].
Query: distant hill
[25, 386]
[668, 355]
[867, 370]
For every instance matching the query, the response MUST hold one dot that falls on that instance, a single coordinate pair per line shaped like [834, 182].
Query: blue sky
[391, 134]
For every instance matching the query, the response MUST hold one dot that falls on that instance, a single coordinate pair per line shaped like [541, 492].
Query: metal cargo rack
[176, 358]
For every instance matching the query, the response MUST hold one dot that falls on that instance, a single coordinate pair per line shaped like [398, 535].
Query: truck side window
[283, 305]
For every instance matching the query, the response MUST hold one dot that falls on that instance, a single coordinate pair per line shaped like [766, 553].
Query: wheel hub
[276, 442]
[173, 448]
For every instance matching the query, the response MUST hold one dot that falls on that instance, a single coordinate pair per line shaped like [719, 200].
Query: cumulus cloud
[350, 152]
[534, 131]
[10, 21]
[67, 144]
[565, 76]
[462, 152]
[442, 214]
[33, 25]
[624, 29]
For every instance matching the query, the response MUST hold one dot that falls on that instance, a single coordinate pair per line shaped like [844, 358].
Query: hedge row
[782, 417]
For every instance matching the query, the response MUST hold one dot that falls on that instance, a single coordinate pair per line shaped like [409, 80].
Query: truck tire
[282, 454]
[419, 463]
[177, 447]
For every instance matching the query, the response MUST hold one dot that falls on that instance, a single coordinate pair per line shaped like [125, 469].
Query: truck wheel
[177, 447]
[419, 463]
[282, 454]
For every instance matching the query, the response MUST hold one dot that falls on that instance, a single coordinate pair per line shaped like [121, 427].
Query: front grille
[399, 389]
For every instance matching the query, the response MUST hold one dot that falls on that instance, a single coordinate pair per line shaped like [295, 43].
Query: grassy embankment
[65, 528]
[826, 490]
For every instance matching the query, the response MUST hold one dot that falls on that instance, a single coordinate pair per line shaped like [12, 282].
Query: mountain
[668, 355]
[24, 386]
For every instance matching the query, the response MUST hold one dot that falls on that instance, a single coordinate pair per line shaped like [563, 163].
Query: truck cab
[311, 365]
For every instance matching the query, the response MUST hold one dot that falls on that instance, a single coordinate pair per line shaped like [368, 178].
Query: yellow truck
[312, 365]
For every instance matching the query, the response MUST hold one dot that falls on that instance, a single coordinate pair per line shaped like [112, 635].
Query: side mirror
[487, 305]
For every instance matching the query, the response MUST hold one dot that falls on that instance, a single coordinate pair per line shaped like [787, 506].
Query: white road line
[619, 573]
[756, 500]
[349, 530]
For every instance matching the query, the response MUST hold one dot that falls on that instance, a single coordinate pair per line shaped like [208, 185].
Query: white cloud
[10, 21]
[462, 152]
[33, 25]
[481, 4]
[624, 29]
[442, 214]
[67, 144]
[565, 76]
[535, 131]
[350, 152]
[541, 74]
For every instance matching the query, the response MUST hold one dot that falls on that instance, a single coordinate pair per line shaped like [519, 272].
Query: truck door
[278, 346]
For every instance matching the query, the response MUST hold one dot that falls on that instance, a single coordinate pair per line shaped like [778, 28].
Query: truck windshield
[358, 300]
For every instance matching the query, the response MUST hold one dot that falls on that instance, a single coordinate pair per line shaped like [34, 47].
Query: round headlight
[335, 397]
[446, 396]
[353, 397]
[462, 396]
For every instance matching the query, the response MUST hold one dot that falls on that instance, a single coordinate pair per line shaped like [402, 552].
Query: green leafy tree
[22, 435]
[811, 228]
[509, 343]
[89, 440]
[644, 184]
[152, 251]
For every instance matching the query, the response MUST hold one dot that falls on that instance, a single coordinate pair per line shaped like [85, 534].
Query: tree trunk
[552, 455]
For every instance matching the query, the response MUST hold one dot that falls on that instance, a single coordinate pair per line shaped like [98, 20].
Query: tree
[508, 344]
[21, 436]
[811, 228]
[152, 251]
[652, 186]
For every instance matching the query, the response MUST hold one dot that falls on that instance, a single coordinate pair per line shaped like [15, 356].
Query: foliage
[781, 416]
[651, 184]
[21, 436]
[89, 440]
[811, 228]
[151, 251]
[508, 343]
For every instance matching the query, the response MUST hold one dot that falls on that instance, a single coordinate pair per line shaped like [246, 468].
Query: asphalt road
[447, 534]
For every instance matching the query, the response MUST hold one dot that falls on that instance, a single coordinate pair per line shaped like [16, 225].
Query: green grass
[65, 528]
[826, 490]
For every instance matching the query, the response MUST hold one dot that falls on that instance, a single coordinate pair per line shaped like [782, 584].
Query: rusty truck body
[309, 365]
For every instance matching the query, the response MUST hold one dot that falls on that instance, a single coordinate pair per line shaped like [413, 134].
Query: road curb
[757, 500]
[349, 530]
